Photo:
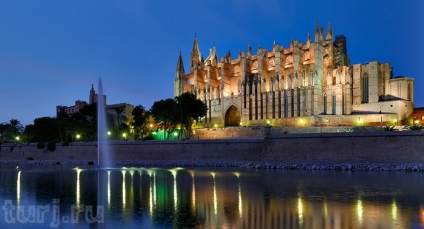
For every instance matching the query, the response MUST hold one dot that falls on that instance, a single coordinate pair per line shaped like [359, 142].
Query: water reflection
[18, 189]
[202, 198]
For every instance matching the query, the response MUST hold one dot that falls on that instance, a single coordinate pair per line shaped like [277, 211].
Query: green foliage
[413, 127]
[165, 114]
[183, 111]
[189, 109]
[9, 131]
[51, 146]
[47, 129]
[4, 127]
[86, 122]
[29, 133]
[350, 130]
[141, 119]
[41, 145]
[387, 128]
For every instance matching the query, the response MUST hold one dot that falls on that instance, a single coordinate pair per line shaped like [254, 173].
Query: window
[365, 89]
[325, 103]
[333, 104]
[286, 106]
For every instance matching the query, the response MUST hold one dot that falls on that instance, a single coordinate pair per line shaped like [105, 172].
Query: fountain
[103, 152]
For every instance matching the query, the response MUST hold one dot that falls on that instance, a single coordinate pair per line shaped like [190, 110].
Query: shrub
[51, 146]
[41, 145]
[413, 127]
[149, 137]
[387, 128]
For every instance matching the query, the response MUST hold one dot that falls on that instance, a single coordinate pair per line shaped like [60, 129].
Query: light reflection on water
[215, 198]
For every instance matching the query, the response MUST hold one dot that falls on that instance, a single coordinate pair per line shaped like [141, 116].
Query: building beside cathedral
[304, 84]
[124, 109]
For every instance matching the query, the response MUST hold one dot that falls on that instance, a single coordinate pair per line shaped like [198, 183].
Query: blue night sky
[52, 51]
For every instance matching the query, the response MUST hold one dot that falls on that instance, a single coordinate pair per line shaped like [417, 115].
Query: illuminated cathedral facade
[303, 84]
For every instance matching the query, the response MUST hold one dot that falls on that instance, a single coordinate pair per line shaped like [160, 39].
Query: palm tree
[4, 127]
[118, 111]
[16, 128]
[120, 117]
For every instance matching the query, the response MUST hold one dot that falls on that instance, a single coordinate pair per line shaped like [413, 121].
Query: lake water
[59, 197]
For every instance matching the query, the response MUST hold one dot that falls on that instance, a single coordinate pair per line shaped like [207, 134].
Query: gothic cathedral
[304, 84]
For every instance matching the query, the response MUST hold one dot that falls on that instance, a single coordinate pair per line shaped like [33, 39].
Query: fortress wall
[219, 150]
[360, 147]
[363, 147]
[259, 131]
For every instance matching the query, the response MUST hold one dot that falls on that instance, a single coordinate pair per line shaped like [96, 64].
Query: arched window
[365, 88]
[333, 104]
[286, 106]
[325, 103]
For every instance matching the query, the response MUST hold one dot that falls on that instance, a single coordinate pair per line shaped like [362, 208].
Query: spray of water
[103, 152]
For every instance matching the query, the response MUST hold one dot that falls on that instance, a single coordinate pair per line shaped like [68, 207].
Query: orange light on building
[422, 216]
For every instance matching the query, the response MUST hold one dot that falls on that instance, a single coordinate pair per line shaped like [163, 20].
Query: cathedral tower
[179, 77]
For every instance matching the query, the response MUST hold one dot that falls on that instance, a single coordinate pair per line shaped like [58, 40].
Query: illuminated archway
[232, 116]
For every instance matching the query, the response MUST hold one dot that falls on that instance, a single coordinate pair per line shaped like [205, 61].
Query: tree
[189, 109]
[141, 118]
[65, 125]
[16, 127]
[119, 115]
[29, 133]
[165, 114]
[118, 125]
[9, 131]
[4, 131]
[88, 125]
[46, 129]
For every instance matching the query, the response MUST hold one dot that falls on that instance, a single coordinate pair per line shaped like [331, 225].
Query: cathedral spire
[308, 40]
[196, 56]
[180, 68]
[316, 32]
[329, 35]
[179, 76]
[249, 50]
[195, 49]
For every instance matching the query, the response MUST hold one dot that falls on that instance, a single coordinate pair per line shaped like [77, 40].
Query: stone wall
[359, 147]
[219, 150]
[259, 131]
[365, 147]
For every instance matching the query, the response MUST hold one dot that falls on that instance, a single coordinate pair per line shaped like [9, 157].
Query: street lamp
[124, 135]
[109, 133]
[17, 138]
[78, 137]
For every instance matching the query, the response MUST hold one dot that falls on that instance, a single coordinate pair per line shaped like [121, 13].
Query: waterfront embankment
[401, 151]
